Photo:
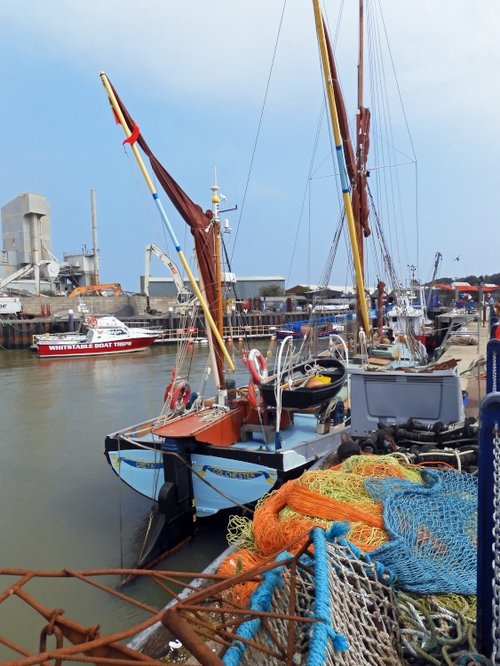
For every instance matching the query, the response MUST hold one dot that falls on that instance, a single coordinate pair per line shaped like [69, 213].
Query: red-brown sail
[355, 163]
[193, 215]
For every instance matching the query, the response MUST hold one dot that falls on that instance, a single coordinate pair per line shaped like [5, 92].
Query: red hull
[48, 350]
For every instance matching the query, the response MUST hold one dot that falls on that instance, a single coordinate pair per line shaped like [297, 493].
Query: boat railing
[255, 331]
[144, 324]
[232, 333]
[46, 336]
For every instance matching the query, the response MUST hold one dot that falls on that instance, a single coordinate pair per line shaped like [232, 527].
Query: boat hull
[221, 477]
[236, 481]
[306, 397]
[64, 349]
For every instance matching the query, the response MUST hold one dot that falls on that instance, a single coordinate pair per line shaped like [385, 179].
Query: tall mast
[360, 54]
[359, 143]
[346, 191]
[217, 246]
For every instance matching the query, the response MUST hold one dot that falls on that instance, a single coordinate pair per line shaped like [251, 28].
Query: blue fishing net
[433, 531]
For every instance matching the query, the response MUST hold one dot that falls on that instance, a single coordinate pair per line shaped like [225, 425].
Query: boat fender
[257, 366]
[181, 393]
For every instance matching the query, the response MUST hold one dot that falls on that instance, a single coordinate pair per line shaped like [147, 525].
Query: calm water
[62, 506]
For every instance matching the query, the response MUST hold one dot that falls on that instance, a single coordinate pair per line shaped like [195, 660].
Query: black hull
[307, 397]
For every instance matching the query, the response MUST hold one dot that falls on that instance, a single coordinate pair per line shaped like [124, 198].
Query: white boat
[105, 335]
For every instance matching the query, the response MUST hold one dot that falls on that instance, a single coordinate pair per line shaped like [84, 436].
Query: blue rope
[260, 601]
[323, 630]
[336, 533]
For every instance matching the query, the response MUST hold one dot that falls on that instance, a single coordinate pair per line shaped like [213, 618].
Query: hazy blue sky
[193, 75]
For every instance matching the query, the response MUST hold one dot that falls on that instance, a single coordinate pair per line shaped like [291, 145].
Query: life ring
[181, 392]
[253, 395]
[257, 366]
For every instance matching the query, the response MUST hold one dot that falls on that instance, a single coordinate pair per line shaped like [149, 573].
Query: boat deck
[471, 367]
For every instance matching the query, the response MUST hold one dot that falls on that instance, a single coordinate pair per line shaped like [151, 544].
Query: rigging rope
[250, 168]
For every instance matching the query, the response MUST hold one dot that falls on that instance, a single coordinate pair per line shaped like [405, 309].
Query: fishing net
[318, 498]
[433, 531]
[236, 563]
[417, 523]
[346, 594]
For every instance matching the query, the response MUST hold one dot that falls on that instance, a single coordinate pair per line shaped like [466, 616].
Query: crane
[114, 287]
[184, 296]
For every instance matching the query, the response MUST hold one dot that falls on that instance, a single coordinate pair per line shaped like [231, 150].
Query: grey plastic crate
[394, 396]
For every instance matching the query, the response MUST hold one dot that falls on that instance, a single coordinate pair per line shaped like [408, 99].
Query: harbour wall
[51, 315]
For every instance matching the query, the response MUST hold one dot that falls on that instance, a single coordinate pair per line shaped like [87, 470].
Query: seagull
[457, 258]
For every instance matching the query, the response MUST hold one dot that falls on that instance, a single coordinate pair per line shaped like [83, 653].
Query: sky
[194, 76]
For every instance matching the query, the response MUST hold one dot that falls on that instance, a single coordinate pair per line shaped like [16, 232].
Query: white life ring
[257, 366]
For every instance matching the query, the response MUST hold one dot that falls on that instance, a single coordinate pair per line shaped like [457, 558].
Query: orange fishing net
[237, 563]
[319, 498]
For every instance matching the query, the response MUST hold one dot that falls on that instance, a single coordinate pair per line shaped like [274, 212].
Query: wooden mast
[359, 140]
[219, 315]
[346, 190]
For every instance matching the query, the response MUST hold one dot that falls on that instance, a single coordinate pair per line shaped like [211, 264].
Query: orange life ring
[253, 396]
[257, 366]
[181, 392]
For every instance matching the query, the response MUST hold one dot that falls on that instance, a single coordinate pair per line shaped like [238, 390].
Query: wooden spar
[320, 30]
[166, 221]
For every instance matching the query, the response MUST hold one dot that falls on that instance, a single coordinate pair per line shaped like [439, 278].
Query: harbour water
[61, 504]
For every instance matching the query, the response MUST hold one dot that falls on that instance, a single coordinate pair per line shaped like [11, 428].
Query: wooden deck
[471, 367]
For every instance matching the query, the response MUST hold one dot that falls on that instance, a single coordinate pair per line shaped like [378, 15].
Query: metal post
[95, 247]
[489, 463]
[71, 321]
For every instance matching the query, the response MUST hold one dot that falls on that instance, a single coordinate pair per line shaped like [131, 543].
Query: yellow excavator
[115, 288]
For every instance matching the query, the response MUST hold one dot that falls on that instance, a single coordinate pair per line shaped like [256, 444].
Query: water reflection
[61, 504]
